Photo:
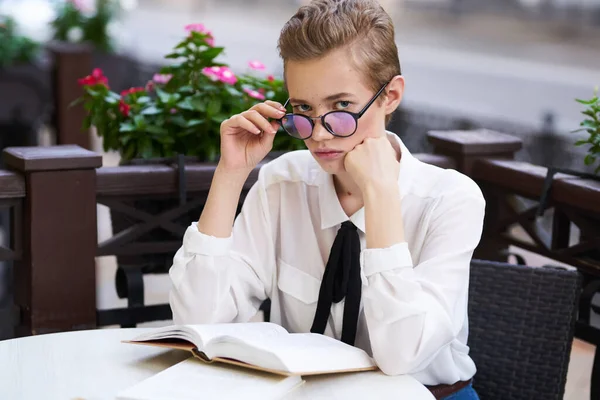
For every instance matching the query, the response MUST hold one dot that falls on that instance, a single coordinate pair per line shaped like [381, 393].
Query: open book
[262, 345]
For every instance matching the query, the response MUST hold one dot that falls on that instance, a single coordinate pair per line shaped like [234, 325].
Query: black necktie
[341, 279]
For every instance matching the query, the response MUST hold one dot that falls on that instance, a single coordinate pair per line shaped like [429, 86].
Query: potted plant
[181, 109]
[178, 112]
[95, 22]
[591, 125]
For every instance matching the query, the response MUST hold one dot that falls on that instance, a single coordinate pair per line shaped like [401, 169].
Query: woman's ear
[395, 91]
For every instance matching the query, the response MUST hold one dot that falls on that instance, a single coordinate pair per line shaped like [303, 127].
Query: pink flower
[257, 65]
[254, 94]
[223, 74]
[210, 40]
[270, 78]
[162, 78]
[78, 4]
[195, 28]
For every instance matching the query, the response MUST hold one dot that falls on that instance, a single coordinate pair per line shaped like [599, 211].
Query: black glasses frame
[356, 117]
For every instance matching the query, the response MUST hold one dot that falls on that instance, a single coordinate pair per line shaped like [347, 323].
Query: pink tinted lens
[297, 126]
[341, 123]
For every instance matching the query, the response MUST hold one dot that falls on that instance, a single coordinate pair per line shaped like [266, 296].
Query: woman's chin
[331, 166]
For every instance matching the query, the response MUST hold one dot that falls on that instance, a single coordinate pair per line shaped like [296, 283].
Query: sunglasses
[338, 123]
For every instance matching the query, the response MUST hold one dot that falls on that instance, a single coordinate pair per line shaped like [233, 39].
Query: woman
[354, 237]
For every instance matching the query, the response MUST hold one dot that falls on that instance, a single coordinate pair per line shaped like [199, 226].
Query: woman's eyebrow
[328, 98]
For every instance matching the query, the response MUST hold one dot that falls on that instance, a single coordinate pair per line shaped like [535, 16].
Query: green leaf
[186, 104]
[589, 123]
[152, 110]
[233, 91]
[146, 150]
[143, 100]
[140, 122]
[174, 55]
[87, 122]
[588, 102]
[182, 45]
[194, 122]
[589, 159]
[124, 139]
[129, 152]
[211, 53]
[214, 106]
[111, 99]
[581, 142]
[590, 113]
[179, 121]
[159, 130]
[162, 95]
[126, 127]
[197, 103]
[186, 88]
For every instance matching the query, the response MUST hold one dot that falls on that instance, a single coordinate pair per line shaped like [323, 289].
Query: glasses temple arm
[365, 108]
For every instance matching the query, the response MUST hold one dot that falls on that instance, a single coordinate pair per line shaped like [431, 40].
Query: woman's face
[332, 83]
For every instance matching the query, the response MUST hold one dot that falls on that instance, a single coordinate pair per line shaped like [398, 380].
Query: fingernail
[281, 113]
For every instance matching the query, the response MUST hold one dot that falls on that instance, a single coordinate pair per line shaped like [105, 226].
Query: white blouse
[413, 317]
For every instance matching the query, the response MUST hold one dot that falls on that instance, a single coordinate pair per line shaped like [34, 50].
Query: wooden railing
[53, 193]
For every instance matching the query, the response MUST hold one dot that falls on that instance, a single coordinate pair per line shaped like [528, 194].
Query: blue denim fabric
[466, 393]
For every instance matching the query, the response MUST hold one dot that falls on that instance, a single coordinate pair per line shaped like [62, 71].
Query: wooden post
[71, 62]
[465, 148]
[55, 285]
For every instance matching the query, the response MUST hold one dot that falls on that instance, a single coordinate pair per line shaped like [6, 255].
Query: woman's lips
[328, 154]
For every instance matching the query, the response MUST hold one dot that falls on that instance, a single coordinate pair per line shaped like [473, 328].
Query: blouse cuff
[196, 242]
[380, 260]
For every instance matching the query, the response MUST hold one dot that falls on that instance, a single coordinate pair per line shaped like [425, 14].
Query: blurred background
[510, 65]
[514, 66]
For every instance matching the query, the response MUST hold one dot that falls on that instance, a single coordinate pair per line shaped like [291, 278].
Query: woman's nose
[319, 133]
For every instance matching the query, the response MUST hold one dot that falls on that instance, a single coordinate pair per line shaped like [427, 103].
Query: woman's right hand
[247, 138]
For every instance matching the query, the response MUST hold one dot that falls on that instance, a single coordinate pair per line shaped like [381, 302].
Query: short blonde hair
[362, 26]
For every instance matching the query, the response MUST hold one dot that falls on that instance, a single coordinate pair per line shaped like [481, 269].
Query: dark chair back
[521, 323]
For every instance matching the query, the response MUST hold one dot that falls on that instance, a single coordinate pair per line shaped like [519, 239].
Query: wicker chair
[521, 329]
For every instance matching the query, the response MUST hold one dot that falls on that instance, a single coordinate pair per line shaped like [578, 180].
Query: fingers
[270, 109]
[258, 120]
[242, 122]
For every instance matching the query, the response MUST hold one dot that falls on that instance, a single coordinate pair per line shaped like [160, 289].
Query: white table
[94, 365]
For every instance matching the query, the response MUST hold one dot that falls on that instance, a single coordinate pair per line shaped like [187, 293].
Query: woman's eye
[342, 104]
[302, 107]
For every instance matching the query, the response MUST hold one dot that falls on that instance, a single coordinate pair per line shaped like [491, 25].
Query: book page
[255, 331]
[298, 353]
[194, 380]
[201, 335]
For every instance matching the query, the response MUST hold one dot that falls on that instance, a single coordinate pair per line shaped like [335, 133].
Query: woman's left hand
[373, 164]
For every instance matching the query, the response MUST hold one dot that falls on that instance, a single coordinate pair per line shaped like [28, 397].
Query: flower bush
[181, 109]
[15, 48]
[591, 125]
